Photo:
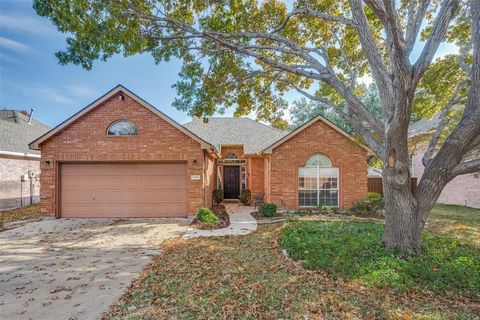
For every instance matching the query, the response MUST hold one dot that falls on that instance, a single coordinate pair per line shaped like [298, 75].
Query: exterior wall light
[194, 162]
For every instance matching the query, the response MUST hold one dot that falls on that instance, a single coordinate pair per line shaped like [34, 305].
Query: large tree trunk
[403, 225]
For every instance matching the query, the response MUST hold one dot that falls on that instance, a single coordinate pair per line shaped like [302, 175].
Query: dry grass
[248, 277]
[458, 222]
[23, 213]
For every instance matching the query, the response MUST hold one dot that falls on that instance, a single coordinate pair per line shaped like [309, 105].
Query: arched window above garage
[122, 128]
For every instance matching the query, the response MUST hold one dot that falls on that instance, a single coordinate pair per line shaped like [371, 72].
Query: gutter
[19, 154]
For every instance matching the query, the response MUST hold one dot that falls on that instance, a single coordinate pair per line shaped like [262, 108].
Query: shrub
[268, 210]
[205, 215]
[324, 210]
[372, 206]
[218, 195]
[301, 212]
[245, 196]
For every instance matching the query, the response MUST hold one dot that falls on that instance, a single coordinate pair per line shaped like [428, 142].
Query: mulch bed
[283, 216]
[221, 212]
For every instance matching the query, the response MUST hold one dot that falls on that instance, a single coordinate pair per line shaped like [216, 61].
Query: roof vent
[30, 116]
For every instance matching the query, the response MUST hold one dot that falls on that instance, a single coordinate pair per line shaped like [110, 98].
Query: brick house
[463, 190]
[19, 166]
[120, 156]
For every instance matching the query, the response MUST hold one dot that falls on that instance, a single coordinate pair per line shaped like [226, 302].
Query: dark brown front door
[231, 176]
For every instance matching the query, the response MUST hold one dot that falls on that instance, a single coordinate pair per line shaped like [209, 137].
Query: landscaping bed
[19, 214]
[223, 221]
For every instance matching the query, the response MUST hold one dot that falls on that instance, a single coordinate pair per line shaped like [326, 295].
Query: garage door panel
[162, 182]
[123, 190]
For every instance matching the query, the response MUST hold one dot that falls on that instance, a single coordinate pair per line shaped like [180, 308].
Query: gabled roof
[293, 133]
[34, 144]
[253, 135]
[16, 132]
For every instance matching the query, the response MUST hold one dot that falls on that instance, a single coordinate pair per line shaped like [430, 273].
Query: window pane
[328, 198]
[307, 179]
[328, 172]
[244, 178]
[122, 128]
[318, 160]
[307, 198]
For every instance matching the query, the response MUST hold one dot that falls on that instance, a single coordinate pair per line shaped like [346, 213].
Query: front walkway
[241, 222]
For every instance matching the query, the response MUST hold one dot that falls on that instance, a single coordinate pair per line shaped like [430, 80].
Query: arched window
[122, 128]
[318, 182]
[231, 155]
[319, 160]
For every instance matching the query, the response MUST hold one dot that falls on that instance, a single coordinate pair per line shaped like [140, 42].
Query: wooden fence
[375, 185]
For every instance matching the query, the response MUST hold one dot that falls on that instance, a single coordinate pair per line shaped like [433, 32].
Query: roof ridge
[265, 125]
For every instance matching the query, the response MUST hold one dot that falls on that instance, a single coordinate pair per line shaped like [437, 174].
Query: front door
[231, 176]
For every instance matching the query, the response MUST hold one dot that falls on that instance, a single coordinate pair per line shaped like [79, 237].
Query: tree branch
[314, 13]
[466, 167]
[393, 29]
[415, 22]
[439, 30]
[444, 120]
[357, 124]
[379, 70]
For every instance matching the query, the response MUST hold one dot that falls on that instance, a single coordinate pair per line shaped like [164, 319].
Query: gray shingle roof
[16, 133]
[253, 135]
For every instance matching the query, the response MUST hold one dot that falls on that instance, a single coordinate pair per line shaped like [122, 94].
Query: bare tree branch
[314, 13]
[387, 14]
[440, 26]
[466, 167]
[444, 120]
[366, 134]
[414, 22]
[379, 70]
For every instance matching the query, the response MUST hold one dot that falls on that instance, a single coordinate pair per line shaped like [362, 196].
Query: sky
[30, 76]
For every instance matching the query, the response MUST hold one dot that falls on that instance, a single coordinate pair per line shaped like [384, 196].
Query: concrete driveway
[75, 268]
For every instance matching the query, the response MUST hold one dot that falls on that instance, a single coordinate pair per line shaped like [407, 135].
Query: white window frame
[318, 189]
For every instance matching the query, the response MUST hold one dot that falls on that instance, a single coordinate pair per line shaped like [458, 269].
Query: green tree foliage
[303, 110]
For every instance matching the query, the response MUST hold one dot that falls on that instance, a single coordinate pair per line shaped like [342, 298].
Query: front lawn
[456, 222]
[22, 213]
[354, 251]
[248, 277]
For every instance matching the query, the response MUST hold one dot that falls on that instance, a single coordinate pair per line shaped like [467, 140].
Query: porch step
[231, 201]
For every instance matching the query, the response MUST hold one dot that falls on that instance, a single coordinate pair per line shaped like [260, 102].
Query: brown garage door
[123, 190]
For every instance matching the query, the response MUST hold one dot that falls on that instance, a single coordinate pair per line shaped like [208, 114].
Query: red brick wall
[318, 138]
[256, 174]
[85, 140]
[238, 150]
[210, 178]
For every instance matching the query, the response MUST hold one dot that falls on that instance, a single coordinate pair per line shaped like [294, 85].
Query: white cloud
[20, 22]
[4, 57]
[50, 93]
[82, 90]
[13, 45]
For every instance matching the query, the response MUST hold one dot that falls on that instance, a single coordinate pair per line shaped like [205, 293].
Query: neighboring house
[462, 190]
[120, 156]
[19, 166]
